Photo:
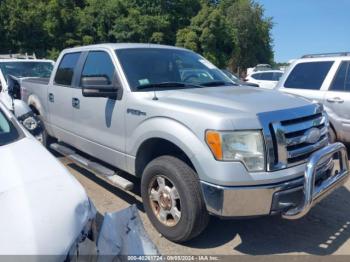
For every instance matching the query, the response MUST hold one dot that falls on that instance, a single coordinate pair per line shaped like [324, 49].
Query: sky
[308, 26]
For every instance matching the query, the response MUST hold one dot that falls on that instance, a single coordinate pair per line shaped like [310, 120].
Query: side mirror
[98, 86]
[13, 87]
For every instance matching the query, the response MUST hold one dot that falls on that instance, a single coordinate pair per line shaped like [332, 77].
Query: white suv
[266, 79]
[324, 78]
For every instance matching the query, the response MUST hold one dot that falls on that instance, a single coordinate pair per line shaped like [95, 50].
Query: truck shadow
[321, 232]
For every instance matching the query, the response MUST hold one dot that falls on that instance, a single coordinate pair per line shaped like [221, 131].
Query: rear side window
[266, 76]
[99, 64]
[65, 71]
[308, 75]
[256, 76]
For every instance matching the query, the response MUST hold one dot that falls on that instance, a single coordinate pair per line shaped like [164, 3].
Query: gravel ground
[324, 231]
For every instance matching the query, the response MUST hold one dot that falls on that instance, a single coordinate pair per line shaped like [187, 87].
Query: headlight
[30, 123]
[244, 146]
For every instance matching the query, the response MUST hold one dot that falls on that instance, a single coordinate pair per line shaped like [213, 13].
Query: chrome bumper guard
[314, 193]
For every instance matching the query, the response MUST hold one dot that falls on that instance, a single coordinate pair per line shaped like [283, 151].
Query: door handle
[75, 102]
[51, 98]
[335, 100]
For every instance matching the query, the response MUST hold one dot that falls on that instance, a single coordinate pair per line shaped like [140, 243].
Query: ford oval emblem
[312, 135]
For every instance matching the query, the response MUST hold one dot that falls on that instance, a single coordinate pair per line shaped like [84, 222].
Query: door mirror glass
[13, 87]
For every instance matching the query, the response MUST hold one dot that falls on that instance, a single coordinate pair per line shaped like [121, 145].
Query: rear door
[99, 121]
[306, 79]
[60, 95]
[337, 98]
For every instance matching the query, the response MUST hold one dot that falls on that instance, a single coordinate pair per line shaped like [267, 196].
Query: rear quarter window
[308, 75]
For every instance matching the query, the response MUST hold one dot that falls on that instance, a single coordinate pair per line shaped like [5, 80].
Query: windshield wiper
[216, 83]
[168, 85]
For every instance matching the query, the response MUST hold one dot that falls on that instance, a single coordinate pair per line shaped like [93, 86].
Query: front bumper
[293, 199]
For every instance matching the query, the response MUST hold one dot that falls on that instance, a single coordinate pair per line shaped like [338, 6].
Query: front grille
[292, 139]
[293, 135]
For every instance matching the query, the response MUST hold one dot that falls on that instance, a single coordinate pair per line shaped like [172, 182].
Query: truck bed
[36, 80]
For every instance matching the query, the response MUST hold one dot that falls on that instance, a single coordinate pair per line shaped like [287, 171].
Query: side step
[98, 169]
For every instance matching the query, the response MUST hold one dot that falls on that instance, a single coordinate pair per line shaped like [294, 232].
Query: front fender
[172, 131]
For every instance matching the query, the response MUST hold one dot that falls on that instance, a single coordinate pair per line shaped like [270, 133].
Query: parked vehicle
[265, 79]
[45, 211]
[22, 68]
[237, 80]
[324, 78]
[258, 67]
[13, 69]
[199, 148]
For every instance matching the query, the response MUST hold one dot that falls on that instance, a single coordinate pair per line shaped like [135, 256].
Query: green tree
[253, 42]
[21, 25]
[208, 34]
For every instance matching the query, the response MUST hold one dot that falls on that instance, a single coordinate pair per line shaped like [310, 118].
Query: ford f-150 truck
[201, 145]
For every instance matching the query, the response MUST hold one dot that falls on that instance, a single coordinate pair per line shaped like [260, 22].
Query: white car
[23, 68]
[265, 79]
[45, 211]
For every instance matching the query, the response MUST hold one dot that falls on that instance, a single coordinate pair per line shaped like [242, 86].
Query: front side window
[308, 75]
[65, 71]
[8, 132]
[26, 69]
[147, 66]
[99, 64]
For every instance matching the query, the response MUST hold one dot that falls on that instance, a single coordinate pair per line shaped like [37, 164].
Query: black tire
[47, 140]
[332, 135]
[194, 216]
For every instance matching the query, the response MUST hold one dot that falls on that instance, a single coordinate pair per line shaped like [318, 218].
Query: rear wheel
[172, 199]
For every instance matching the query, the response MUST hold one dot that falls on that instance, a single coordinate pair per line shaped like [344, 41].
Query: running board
[98, 169]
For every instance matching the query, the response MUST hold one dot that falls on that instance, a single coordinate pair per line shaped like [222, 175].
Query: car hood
[44, 208]
[229, 99]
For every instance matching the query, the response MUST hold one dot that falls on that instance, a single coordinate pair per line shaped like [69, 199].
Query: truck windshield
[8, 132]
[153, 66]
[26, 69]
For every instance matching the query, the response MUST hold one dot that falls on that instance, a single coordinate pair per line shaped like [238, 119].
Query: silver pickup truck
[201, 145]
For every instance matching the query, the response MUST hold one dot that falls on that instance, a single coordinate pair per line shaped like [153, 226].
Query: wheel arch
[161, 136]
[155, 147]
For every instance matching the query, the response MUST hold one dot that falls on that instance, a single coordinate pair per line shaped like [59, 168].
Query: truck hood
[43, 207]
[231, 99]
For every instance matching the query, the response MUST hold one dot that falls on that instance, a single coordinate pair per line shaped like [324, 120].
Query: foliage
[227, 32]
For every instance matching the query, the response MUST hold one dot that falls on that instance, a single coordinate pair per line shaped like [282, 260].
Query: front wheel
[172, 199]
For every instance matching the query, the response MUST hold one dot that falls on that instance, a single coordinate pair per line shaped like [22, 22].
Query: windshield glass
[147, 66]
[26, 69]
[8, 132]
